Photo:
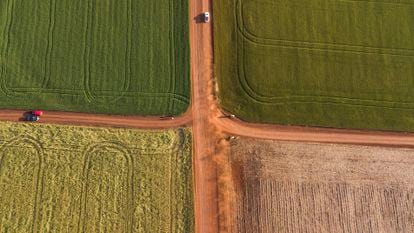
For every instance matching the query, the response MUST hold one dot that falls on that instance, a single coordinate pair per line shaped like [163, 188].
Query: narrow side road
[313, 134]
[88, 119]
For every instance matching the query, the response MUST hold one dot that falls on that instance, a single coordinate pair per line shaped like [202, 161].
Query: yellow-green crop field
[75, 179]
[331, 63]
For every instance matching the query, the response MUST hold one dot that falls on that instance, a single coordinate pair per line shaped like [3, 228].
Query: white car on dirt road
[206, 17]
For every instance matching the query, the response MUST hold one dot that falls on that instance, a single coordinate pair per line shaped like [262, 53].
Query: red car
[37, 113]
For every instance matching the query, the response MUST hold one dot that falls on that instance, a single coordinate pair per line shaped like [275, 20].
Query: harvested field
[108, 56]
[307, 187]
[330, 63]
[74, 179]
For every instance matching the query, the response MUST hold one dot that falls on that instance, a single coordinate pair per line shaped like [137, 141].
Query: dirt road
[312, 134]
[88, 119]
[204, 138]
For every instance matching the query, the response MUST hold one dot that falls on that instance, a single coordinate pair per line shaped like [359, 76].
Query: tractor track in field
[209, 127]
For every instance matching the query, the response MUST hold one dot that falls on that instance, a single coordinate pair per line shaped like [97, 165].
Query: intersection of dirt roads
[213, 205]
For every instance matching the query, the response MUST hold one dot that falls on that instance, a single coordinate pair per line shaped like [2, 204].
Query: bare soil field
[310, 187]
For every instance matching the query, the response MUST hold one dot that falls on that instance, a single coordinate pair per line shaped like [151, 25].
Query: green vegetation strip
[74, 179]
[107, 56]
[333, 63]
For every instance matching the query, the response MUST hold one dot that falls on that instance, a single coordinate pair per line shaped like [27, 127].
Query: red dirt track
[89, 119]
[312, 134]
[204, 139]
[204, 117]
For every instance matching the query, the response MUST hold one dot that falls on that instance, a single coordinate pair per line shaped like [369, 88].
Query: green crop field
[331, 63]
[107, 56]
[74, 179]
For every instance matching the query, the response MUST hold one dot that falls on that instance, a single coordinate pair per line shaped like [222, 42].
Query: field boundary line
[379, 2]
[89, 94]
[172, 52]
[5, 44]
[49, 44]
[86, 92]
[243, 30]
[270, 100]
[175, 146]
[170, 192]
[37, 146]
[89, 150]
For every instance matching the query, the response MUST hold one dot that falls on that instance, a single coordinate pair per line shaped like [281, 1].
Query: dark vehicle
[230, 138]
[169, 117]
[31, 117]
[231, 116]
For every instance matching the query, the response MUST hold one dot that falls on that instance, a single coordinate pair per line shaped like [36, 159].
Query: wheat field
[81, 179]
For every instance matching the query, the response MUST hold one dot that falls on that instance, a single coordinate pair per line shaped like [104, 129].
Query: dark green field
[332, 63]
[106, 56]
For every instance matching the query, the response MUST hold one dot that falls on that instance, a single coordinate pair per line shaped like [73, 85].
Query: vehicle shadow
[199, 18]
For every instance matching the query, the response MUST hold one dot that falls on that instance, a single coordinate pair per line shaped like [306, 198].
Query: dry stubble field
[322, 188]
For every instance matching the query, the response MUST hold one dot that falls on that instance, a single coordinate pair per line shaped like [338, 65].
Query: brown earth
[204, 139]
[311, 187]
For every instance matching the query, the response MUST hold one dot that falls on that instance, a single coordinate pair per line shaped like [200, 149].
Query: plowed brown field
[309, 187]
